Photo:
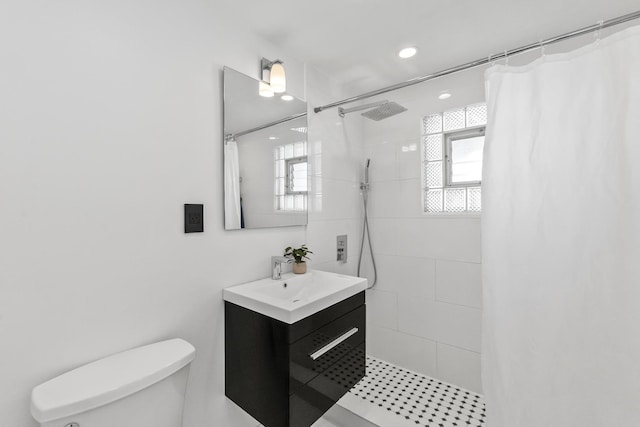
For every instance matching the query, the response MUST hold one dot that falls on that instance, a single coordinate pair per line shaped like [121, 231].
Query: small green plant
[298, 254]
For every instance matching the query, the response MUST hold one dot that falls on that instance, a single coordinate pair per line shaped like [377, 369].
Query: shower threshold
[390, 396]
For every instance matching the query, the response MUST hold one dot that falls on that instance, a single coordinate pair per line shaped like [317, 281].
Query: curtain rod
[487, 60]
[267, 125]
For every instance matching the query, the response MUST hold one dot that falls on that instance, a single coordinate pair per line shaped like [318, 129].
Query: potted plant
[298, 255]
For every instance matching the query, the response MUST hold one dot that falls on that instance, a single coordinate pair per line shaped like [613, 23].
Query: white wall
[425, 312]
[110, 121]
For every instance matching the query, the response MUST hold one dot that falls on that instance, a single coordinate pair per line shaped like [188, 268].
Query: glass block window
[290, 177]
[452, 146]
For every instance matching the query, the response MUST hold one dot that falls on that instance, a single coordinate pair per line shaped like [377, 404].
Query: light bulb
[277, 78]
[264, 89]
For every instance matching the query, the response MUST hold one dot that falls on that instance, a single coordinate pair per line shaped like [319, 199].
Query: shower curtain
[231, 185]
[561, 239]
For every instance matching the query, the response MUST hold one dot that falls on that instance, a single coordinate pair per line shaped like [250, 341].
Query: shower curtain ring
[598, 33]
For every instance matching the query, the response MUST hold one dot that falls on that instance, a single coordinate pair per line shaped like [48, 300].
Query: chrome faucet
[276, 266]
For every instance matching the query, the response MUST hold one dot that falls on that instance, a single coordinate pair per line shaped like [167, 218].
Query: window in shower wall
[452, 145]
[290, 177]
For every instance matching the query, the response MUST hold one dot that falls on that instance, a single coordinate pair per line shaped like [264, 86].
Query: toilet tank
[143, 387]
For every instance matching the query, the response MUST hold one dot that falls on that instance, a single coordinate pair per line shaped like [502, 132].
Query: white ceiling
[356, 41]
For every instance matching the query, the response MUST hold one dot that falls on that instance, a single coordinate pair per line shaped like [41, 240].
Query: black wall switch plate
[193, 218]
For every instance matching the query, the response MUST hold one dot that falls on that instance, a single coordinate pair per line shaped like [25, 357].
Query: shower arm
[487, 60]
[343, 111]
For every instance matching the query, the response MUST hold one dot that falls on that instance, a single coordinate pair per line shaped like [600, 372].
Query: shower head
[384, 111]
[377, 110]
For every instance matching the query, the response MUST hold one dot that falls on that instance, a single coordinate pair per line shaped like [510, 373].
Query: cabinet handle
[333, 344]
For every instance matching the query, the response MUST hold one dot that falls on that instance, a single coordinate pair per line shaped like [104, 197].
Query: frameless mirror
[265, 156]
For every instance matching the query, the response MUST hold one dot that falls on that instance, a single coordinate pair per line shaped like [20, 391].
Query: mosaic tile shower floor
[413, 399]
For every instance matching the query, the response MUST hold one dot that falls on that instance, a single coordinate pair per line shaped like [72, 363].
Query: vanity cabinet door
[323, 347]
[313, 399]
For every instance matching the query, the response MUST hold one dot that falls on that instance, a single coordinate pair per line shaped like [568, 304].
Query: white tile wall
[458, 325]
[382, 309]
[408, 159]
[409, 198]
[402, 349]
[459, 283]
[385, 200]
[383, 163]
[430, 263]
[448, 323]
[459, 366]
[410, 276]
[451, 239]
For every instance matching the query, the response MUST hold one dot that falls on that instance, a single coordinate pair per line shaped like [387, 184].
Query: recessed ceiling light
[286, 98]
[407, 52]
[444, 95]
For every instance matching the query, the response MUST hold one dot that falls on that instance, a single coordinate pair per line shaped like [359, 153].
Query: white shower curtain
[561, 239]
[231, 185]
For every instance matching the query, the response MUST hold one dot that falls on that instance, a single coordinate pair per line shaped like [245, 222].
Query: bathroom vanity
[294, 346]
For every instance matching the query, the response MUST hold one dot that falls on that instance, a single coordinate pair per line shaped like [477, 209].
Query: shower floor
[390, 396]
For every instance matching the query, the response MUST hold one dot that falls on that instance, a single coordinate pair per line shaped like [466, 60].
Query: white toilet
[143, 387]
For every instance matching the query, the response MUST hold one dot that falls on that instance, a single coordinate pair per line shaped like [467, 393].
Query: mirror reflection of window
[290, 174]
[297, 175]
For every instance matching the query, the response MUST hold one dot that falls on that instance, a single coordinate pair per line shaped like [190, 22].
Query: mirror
[265, 156]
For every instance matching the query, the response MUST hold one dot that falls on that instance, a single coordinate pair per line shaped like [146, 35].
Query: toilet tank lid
[109, 379]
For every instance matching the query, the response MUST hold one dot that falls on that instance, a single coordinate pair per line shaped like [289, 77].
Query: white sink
[295, 296]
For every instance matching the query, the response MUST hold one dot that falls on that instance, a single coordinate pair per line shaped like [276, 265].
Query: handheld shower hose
[364, 186]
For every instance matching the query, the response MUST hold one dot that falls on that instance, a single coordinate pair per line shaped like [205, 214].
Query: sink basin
[295, 296]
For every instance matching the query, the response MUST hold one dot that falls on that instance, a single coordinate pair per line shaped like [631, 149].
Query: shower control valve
[342, 248]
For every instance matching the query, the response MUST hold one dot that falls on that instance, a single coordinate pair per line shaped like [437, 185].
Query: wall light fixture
[273, 75]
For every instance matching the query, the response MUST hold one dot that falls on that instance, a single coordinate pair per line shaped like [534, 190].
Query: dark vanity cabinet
[288, 375]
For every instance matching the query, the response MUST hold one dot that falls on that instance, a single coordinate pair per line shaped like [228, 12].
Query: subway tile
[459, 283]
[459, 367]
[404, 350]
